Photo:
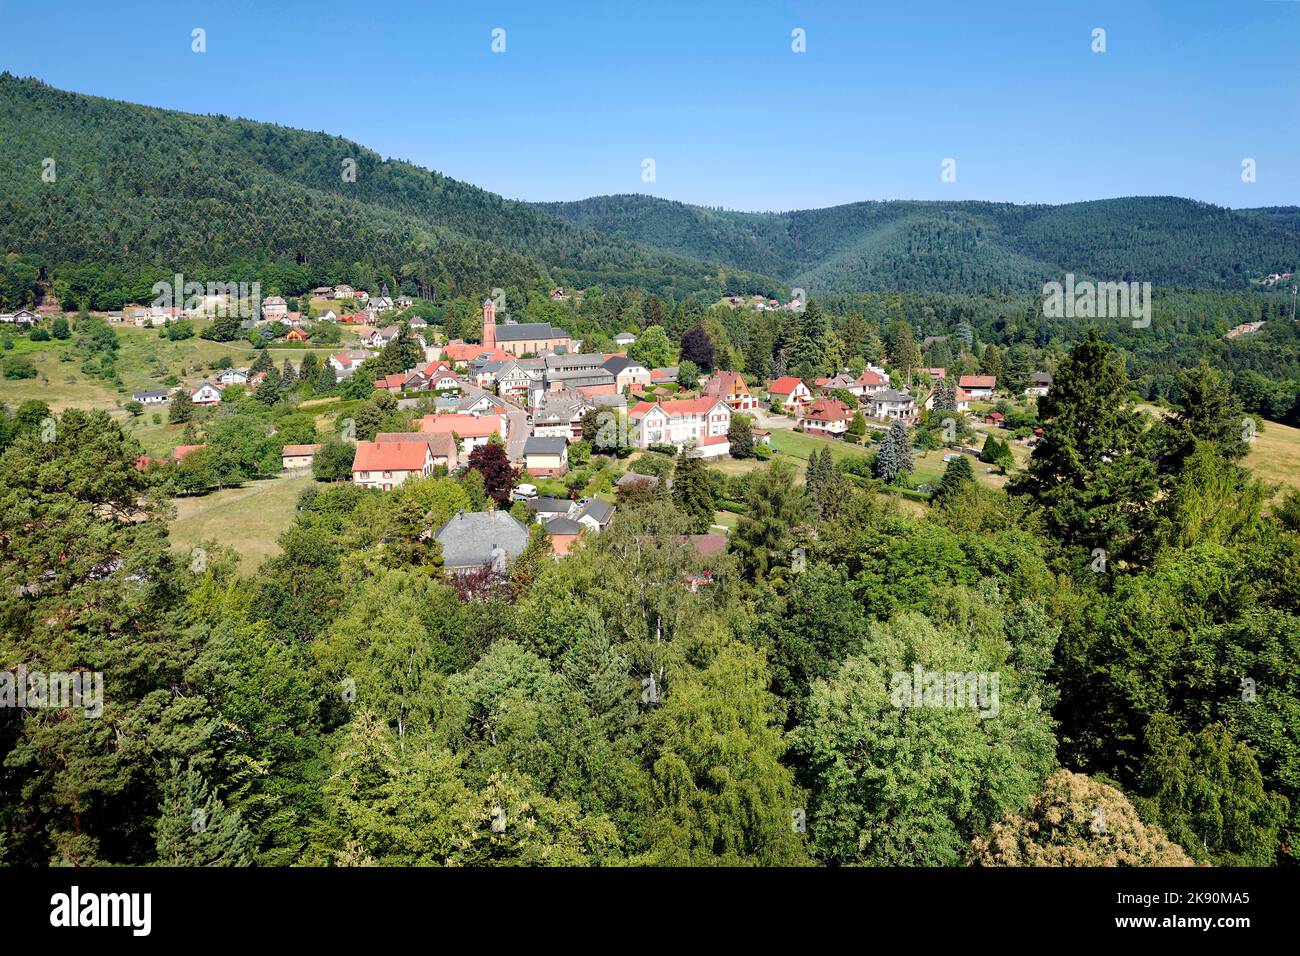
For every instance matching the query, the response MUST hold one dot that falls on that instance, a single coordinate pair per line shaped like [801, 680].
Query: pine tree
[956, 477]
[886, 464]
[287, 374]
[807, 355]
[309, 368]
[902, 445]
[326, 379]
[693, 492]
[1092, 472]
[194, 827]
[181, 409]
[263, 361]
[894, 459]
[904, 354]
[991, 361]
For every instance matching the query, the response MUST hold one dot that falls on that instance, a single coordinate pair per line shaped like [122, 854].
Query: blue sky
[714, 94]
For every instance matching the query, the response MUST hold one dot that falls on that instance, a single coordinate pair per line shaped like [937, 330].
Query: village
[529, 390]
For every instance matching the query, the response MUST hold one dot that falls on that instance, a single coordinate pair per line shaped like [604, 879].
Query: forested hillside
[136, 188]
[964, 246]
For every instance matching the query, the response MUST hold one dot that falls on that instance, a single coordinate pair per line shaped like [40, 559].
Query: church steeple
[489, 324]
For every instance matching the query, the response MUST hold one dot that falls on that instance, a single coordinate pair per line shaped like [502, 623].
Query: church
[528, 338]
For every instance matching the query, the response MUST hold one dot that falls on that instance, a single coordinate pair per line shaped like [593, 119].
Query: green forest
[144, 193]
[964, 246]
[350, 704]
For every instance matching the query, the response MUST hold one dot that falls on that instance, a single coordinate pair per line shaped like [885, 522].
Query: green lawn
[248, 519]
[726, 519]
[799, 445]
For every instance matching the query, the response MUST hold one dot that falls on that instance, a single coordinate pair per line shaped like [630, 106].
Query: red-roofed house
[392, 383]
[441, 445]
[788, 390]
[731, 388]
[979, 386]
[826, 416]
[472, 430]
[297, 456]
[869, 383]
[385, 465]
[703, 421]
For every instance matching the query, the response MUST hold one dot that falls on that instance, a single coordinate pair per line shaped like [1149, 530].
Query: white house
[826, 416]
[789, 391]
[980, 386]
[890, 405]
[702, 421]
[274, 308]
[1040, 383]
[151, 396]
[206, 393]
[385, 465]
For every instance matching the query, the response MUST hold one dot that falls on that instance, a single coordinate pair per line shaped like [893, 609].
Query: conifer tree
[195, 828]
[181, 408]
[1092, 473]
[693, 492]
[956, 477]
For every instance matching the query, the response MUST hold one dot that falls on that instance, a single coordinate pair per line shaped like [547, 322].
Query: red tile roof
[390, 456]
[725, 383]
[785, 385]
[869, 377]
[978, 381]
[442, 444]
[685, 406]
[466, 426]
[827, 410]
[296, 451]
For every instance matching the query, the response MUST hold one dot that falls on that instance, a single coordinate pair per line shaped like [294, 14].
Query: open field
[1275, 454]
[248, 519]
[929, 466]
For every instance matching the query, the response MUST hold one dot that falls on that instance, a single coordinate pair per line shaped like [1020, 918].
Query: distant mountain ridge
[963, 246]
[137, 187]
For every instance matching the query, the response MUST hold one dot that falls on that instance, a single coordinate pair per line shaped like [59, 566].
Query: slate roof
[562, 526]
[544, 446]
[469, 538]
[528, 330]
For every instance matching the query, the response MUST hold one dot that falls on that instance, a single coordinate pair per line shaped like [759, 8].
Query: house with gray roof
[546, 507]
[594, 513]
[475, 540]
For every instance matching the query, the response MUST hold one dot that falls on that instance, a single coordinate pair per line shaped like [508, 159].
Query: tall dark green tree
[956, 477]
[693, 492]
[1092, 473]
